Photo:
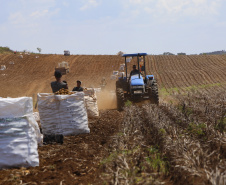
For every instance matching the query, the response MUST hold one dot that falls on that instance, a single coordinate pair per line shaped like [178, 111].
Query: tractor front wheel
[120, 99]
[153, 93]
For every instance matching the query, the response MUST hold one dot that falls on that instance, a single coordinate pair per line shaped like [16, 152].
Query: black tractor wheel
[118, 84]
[120, 99]
[153, 93]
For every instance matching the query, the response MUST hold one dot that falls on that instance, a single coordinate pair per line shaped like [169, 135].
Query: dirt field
[30, 75]
[181, 141]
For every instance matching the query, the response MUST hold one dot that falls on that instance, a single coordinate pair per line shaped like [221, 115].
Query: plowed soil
[30, 75]
[187, 71]
[77, 160]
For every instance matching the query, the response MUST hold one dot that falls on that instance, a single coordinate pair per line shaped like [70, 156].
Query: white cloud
[190, 7]
[25, 12]
[140, 1]
[163, 23]
[198, 2]
[17, 18]
[38, 2]
[89, 4]
[174, 9]
[65, 3]
[27, 18]
[39, 13]
[172, 6]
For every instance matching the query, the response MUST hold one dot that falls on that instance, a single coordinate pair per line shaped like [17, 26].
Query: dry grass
[132, 159]
[186, 142]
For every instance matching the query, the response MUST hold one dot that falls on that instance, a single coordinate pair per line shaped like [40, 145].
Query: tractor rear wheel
[153, 93]
[120, 99]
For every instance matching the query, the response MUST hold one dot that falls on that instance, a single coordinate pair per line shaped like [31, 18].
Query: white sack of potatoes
[19, 133]
[63, 114]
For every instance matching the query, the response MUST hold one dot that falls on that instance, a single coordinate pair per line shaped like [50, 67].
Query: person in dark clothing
[78, 88]
[58, 84]
[134, 71]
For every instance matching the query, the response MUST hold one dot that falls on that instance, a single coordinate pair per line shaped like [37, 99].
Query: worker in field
[134, 71]
[78, 87]
[58, 84]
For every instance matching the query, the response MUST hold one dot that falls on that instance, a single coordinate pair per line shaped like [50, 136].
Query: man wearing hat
[58, 84]
[78, 88]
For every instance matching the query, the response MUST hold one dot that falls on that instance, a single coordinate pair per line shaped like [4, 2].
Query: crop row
[184, 142]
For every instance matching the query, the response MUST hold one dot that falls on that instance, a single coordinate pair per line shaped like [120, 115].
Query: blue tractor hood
[135, 80]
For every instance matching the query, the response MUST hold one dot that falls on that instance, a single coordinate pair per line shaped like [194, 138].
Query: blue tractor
[138, 85]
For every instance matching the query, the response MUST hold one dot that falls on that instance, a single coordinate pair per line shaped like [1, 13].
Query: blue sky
[109, 26]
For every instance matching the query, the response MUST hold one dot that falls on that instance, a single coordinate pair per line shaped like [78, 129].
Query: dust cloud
[106, 99]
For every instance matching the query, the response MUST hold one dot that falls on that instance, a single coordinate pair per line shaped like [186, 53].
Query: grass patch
[191, 88]
[110, 158]
[162, 131]
[187, 111]
[156, 161]
[128, 103]
[221, 125]
[174, 90]
[164, 92]
[204, 86]
[141, 162]
[169, 91]
[197, 130]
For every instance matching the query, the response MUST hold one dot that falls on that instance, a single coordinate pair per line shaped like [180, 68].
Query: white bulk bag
[113, 77]
[19, 133]
[91, 102]
[122, 67]
[63, 114]
[97, 90]
[36, 116]
[91, 106]
[115, 73]
[128, 59]
[121, 74]
[3, 67]
[89, 92]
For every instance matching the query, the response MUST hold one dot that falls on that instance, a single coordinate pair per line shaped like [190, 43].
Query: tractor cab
[136, 85]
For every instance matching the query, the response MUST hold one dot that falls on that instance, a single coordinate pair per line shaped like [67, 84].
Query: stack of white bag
[91, 102]
[63, 114]
[19, 133]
